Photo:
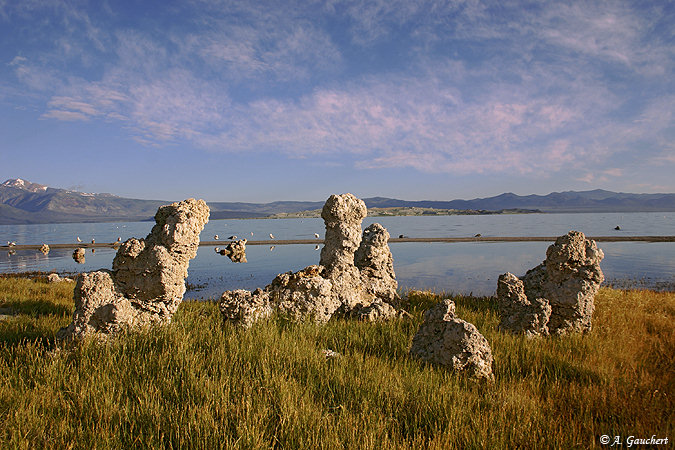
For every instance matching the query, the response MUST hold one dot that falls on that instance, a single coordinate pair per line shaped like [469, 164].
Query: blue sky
[295, 100]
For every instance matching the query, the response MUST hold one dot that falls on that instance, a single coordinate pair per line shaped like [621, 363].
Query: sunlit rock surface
[568, 280]
[447, 341]
[518, 313]
[244, 308]
[78, 255]
[236, 251]
[147, 280]
[376, 264]
[338, 284]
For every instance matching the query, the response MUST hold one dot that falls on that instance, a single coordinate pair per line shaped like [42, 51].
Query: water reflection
[457, 267]
[453, 267]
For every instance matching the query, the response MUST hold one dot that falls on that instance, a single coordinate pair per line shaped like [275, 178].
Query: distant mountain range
[23, 202]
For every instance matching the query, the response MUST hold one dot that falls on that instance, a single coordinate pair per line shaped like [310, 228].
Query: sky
[261, 100]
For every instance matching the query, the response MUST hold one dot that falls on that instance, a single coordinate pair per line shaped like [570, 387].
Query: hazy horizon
[413, 99]
[323, 199]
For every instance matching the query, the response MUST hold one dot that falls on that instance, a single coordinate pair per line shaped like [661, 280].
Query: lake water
[471, 267]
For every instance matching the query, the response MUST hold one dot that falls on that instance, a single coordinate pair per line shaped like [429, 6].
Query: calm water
[456, 267]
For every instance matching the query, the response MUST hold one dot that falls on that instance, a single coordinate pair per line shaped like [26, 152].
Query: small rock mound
[236, 251]
[450, 342]
[377, 311]
[55, 278]
[78, 255]
[245, 308]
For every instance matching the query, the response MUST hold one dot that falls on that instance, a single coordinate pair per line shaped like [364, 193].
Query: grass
[201, 383]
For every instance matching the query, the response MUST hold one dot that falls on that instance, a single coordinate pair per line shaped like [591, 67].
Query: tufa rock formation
[44, 248]
[445, 340]
[377, 311]
[245, 308]
[78, 255]
[236, 251]
[342, 215]
[306, 294]
[147, 281]
[376, 263]
[55, 278]
[518, 314]
[339, 284]
[567, 281]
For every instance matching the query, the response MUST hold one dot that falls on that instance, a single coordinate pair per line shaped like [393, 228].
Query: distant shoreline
[408, 211]
[391, 241]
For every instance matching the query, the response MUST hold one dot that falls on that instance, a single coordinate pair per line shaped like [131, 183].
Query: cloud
[35, 77]
[68, 103]
[282, 51]
[441, 87]
[601, 176]
[69, 116]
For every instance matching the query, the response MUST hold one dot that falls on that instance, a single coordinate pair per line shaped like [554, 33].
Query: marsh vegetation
[198, 382]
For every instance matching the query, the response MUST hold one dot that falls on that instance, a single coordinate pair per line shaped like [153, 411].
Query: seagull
[217, 249]
[478, 235]
[119, 239]
[93, 241]
[232, 237]
[215, 237]
[251, 233]
[272, 248]
[617, 227]
[78, 239]
[316, 235]
[317, 247]
[271, 236]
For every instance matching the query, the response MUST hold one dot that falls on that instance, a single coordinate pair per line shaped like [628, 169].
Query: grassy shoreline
[200, 383]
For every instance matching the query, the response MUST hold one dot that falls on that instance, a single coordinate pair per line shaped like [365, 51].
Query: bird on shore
[11, 244]
[93, 241]
[617, 227]
[401, 236]
[119, 239]
[217, 249]
[271, 247]
[251, 233]
[232, 237]
[316, 235]
[271, 236]
[316, 247]
[478, 235]
[78, 239]
[215, 238]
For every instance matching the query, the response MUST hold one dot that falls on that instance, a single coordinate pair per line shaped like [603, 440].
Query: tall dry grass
[201, 383]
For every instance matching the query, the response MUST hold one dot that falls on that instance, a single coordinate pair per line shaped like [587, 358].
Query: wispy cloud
[470, 86]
